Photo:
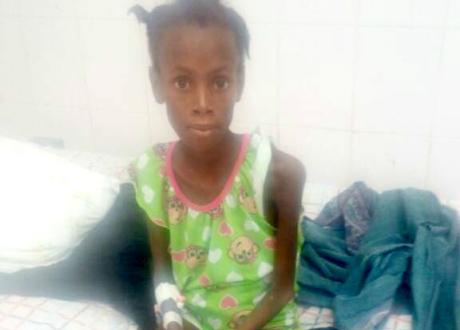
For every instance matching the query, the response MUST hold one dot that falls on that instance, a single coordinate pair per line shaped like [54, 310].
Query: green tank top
[223, 252]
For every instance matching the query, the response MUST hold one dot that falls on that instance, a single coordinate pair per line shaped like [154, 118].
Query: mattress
[32, 313]
[21, 313]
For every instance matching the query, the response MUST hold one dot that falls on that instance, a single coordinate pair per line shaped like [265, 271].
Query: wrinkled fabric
[351, 209]
[410, 249]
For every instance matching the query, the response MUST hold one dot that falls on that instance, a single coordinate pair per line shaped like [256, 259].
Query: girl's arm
[285, 186]
[162, 272]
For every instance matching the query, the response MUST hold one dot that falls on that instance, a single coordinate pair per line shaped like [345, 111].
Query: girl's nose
[203, 98]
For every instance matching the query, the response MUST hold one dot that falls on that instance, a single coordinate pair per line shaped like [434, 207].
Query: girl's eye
[221, 83]
[182, 83]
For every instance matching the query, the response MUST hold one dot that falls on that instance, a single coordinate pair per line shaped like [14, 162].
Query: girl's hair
[199, 12]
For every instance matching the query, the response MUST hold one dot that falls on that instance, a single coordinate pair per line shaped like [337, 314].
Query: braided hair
[199, 12]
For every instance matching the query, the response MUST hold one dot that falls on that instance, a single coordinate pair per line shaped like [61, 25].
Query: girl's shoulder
[151, 162]
[148, 176]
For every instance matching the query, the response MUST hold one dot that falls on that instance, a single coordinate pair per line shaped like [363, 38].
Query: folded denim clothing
[351, 210]
[411, 249]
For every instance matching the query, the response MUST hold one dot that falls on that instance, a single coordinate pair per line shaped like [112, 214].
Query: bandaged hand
[170, 302]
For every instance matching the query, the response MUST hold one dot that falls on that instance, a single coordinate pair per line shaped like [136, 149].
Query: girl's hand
[174, 326]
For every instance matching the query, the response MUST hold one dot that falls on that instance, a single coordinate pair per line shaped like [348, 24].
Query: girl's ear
[157, 89]
[241, 79]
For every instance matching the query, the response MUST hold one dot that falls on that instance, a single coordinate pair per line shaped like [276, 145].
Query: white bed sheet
[31, 313]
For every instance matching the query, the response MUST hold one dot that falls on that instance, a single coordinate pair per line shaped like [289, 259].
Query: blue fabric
[410, 249]
[352, 211]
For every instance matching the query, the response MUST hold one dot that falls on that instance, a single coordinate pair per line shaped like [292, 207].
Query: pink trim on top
[228, 184]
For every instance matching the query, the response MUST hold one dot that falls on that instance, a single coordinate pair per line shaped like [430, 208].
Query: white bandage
[165, 291]
[170, 317]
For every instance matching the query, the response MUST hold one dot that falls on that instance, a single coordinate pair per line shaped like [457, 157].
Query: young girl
[223, 207]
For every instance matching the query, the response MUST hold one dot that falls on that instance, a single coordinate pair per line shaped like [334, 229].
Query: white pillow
[47, 205]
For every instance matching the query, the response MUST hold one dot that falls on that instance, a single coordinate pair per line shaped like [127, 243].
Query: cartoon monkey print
[243, 250]
[176, 210]
[247, 201]
[195, 256]
[216, 213]
[238, 319]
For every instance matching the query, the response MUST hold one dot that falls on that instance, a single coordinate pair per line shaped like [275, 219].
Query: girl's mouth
[202, 129]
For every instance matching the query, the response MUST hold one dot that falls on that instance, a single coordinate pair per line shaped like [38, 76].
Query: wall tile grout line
[28, 64]
[278, 79]
[67, 17]
[436, 108]
[147, 93]
[356, 48]
[84, 61]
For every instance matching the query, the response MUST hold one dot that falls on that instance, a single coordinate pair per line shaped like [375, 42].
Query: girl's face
[200, 78]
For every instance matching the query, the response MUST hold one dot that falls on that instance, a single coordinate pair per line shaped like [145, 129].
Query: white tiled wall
[397, 76]
[357, 89]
